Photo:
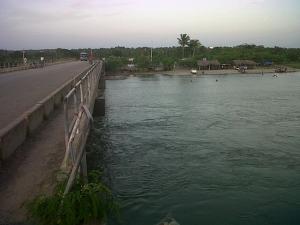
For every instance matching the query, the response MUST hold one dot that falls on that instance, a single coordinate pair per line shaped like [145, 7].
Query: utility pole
[24, 58]
[151, 55]
[91, 56]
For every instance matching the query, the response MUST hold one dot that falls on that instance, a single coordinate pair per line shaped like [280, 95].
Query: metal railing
[77, 106]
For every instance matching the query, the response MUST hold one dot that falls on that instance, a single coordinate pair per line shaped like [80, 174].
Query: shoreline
[186, 72]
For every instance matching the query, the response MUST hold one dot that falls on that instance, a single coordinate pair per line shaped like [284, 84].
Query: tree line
[186, 54]
[189, 51]
[51, 55]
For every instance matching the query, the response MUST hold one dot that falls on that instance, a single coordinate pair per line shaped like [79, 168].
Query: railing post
[66, 124]
[89, 89]
[81, 93]
[75, 101]
[83, 168]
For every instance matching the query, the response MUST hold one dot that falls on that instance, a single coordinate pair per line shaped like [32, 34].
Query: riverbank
[186, 72]
[225, 72]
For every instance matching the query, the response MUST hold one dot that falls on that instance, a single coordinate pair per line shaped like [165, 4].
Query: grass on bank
[84, 204]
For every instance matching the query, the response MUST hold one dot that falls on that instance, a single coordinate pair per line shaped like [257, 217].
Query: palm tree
[194, 44]
[183, 42]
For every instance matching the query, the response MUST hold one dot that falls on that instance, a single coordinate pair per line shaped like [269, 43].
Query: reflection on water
[202, 151]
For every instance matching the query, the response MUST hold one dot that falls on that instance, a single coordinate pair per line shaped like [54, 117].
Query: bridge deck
[21, 90]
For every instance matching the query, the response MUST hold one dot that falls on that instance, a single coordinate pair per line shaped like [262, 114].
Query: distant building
[225, 66]
[249, 64]
[130, 66]
[208, 64]
[267, 63]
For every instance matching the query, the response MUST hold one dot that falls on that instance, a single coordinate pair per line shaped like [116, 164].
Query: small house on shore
[267, 63]
[244, 63]
[208, 64]
[226, 66]
[130, 66]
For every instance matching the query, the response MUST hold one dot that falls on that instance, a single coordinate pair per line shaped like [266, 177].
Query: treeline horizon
[117, 57]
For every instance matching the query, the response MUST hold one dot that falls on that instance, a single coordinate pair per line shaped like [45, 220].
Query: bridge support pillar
[101, 84]
[99, 107]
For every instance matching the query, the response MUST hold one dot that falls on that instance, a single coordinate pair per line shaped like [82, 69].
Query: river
[212, 150]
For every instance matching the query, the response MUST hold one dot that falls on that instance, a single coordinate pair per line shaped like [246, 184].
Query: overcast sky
[35, 24]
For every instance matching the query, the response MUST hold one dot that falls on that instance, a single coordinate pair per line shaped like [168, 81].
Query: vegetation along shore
[189, 54]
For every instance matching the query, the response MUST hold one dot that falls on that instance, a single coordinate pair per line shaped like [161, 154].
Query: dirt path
[32, 170]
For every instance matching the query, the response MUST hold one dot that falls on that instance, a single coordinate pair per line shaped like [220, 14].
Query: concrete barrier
[48, 106]
[13, 135]
[13, 69]
[58, 98]
[28, 66]
[34, 117]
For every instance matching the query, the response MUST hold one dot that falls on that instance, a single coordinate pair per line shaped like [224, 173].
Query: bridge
[41, 113]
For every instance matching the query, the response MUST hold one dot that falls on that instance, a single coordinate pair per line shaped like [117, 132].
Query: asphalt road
[21, 90]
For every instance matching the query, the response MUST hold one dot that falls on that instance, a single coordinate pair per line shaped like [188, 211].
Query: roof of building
[244, 62]
[208, 62]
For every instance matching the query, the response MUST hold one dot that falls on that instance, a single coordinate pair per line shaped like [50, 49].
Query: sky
[41, 24]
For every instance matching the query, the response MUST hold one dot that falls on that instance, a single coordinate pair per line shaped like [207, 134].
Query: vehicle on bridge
[83, 56]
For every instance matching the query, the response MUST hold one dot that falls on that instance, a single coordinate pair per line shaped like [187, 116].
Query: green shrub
[143, 62]
[168, 63]
[113, 64]
[188, 63]
[83, 204]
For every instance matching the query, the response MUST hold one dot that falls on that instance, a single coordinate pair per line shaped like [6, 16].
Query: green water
[210, 152]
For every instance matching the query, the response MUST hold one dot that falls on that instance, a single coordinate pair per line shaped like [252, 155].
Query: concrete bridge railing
[78, 105]
[11, 67]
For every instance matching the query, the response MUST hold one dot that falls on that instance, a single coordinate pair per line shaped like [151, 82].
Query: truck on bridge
[83, 56]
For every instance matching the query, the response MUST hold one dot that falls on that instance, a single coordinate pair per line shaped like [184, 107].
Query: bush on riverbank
[85, 203]
[113, 64]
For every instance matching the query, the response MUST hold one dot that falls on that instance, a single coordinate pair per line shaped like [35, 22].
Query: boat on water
[193, 71]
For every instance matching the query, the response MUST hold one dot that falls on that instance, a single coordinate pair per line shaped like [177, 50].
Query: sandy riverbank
[185, 72]
[220, 72]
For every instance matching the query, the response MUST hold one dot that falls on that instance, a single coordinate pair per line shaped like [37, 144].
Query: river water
[211, 150]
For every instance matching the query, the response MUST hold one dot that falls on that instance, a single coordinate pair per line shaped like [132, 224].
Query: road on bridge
[21, 90]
